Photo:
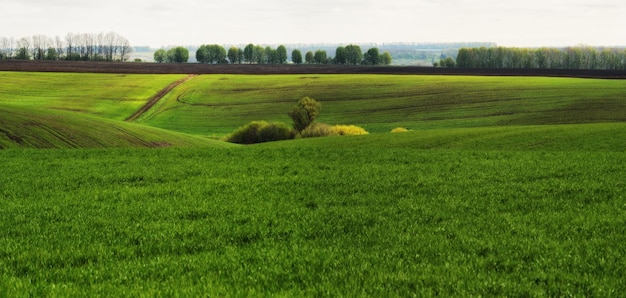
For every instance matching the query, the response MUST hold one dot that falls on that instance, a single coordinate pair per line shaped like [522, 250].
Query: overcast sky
[166, 22]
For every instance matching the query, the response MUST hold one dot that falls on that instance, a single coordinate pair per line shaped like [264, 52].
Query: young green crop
[29, 127]
[217, 104]
[385, 220]
[107, 95]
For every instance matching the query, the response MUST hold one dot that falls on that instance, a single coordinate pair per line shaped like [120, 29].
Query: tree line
[257, 54]
[74, 46]
[583, 58]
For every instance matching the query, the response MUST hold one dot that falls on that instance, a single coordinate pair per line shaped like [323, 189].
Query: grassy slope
[67, 110]
[107, 95]
[26, 127]
[585, 137]
[451, 211]
[217, 104]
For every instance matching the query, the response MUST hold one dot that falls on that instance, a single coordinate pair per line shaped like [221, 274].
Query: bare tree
[5, 49]
[41, 43]
[74, 46]
[125, 48]
[110, 40]
[60, 47]
[24, 47]
[71, 40]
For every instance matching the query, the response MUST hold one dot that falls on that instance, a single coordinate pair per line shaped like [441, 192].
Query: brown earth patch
[195, 68]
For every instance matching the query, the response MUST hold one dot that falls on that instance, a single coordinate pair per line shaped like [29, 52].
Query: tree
[40, 45]
[126, 49]
[304, 113]
[178, 55]
[52, 54]
[233, 55]
[340, 55]
[296, 56]
[320, 57]
[23, 52]
[202, 54]
[160, 56]
[309, 58]
[385, 58]
[7, 48]
[354, 55]
[259, 54]
[269, 55]
[211, 54]
[248, 53]
[281, 53]
[371, 57]
[448, 62]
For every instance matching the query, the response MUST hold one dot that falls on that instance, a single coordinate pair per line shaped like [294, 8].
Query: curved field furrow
[154, 99]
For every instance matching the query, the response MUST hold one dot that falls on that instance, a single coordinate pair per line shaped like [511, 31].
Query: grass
[107, 95]
[26, 127]
[217, 104]
[385, 220]
[583, 137]
[502, 187]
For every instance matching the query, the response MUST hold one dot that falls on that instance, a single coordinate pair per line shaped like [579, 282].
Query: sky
[156, 23]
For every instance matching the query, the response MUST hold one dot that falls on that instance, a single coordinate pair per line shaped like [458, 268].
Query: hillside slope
[25, 127]
[218, 104]
[593, 137]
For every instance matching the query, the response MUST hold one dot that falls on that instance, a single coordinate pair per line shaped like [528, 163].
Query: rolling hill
[43, 110]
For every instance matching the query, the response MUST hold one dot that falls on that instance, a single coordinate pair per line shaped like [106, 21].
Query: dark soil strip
[154, 99]
[196, 68]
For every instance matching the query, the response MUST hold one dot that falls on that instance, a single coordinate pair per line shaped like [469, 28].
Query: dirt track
[154, 99]
[194, 68]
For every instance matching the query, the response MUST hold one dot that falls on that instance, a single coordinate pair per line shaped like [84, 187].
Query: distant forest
[585, 58]
[417, 54]
[114, 47]
[73, 46]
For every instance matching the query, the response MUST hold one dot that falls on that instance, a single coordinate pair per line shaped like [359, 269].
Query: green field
[503, 187]
[215, 105]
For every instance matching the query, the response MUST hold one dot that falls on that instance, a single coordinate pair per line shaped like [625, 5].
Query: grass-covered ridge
[68, 110]
[579, 137]
[26, 127]
[107, 95]
[217, 104]
[502, 187]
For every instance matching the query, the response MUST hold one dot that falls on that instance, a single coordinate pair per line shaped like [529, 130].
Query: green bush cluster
[303, 115]
[315, 130]
[261, 131]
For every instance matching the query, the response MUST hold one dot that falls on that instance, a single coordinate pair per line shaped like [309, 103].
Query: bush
[304, 113]
[261, 131]
[399, 129]
[324, 130]
[315, 130]
[348, 130]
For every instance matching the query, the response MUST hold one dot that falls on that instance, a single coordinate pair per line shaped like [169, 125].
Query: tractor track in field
[157, 97]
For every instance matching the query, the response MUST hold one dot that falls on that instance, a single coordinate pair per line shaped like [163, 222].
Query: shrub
[348, 130]
[261, 131]
[317, 130]
[304, 113]
[324, 130]
[399, 129]
[275, 132]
